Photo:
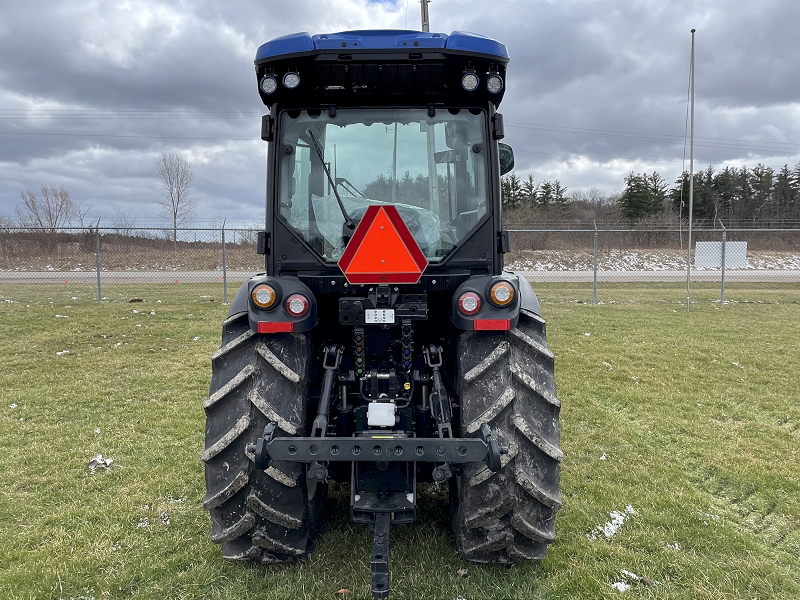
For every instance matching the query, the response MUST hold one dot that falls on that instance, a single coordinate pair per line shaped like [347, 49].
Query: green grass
[692, 420]
[667, 293]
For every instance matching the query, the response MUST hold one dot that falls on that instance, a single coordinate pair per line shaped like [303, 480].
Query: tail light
[297, 305]
[469, 303]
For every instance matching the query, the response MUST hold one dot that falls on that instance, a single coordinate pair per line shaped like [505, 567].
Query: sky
[93, 92]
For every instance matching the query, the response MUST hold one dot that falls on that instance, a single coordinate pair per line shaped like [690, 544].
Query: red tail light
[469, 303]
[297, 305]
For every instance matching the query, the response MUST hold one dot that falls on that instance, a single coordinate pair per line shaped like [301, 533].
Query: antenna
[426, 21]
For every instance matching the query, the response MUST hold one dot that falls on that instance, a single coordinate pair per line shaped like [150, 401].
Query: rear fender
[277, 318]
[528, 299]
[488, 316]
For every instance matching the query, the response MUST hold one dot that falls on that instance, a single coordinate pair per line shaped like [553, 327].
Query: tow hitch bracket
[380, 556]
[379, 448]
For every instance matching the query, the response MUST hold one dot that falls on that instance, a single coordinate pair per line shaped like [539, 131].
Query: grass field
[688, 426]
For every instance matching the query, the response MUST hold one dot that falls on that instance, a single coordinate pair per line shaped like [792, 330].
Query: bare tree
[176, 183]
[123, 222]
[80, 215]
[53, 210]
[6, 223]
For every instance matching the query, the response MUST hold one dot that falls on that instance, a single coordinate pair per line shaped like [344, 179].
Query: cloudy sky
[92, 92]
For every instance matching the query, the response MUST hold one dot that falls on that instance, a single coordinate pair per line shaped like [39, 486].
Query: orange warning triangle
[382, 250]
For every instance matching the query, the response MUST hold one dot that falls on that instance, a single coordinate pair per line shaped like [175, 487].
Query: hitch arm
[331, 358]
[380, 556]
[439, 400]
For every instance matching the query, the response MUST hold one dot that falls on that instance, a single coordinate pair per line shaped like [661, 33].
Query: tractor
[384, 346]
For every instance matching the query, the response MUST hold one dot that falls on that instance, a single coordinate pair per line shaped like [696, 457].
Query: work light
[469, 82]
[494, 83]
[291, 80]
[268, 84]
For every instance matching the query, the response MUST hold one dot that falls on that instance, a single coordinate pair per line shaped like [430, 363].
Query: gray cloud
[595, 89]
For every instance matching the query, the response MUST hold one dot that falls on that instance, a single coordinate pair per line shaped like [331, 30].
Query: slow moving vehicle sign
[382, 250]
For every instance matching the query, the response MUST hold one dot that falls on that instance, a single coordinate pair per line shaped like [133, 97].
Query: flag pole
[691, 181]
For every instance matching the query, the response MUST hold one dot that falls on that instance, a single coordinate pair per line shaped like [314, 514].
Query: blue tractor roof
[458, 42]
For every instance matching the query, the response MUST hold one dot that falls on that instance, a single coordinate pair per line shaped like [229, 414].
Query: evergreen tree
[379, 189]
[544, 195]
[658, 192]
[725, 187]
[511, 189]
[529, 191]
[636, 200]
[763, 183]
[743, 194]
[785, 195]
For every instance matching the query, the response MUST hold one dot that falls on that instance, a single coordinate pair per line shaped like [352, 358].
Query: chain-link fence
[564, 265]
[653, 265]
[129, 262]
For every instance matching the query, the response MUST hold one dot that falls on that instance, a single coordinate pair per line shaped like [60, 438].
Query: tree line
[54, 209]
[739, 196]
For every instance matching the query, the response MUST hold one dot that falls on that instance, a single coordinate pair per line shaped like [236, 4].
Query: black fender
[488, 316]
[260, 319]
[528, 299]
[240, 303]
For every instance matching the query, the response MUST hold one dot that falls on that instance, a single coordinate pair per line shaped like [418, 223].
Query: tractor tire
[506, 379]
[270, 515]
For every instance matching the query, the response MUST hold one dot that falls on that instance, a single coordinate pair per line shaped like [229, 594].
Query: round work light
[494, 83]
[291, 80]
[268, 84]
[469, 82]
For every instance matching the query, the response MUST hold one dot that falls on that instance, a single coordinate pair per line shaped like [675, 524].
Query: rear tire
[272, 515]
[507, 380]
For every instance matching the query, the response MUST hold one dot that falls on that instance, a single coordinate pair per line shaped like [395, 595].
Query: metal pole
[691, 184]
[594, 293]
[97, 258]
[394, 167]
[426, 21]
[722, 284]
[224, 267]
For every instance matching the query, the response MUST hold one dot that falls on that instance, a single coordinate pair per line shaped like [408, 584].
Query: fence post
[722, 264]
[594, 291]
[97, 258]
[224, 268]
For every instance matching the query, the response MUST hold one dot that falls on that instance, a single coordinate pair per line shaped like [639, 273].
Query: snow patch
[98, 462]
[611, 527]
[620, 586]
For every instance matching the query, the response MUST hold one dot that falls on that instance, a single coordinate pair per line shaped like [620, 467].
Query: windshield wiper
[347, 220]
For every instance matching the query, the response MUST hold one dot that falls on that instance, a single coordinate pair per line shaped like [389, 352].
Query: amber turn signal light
[264, 296]
[502, 293]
